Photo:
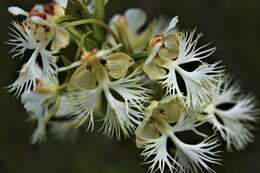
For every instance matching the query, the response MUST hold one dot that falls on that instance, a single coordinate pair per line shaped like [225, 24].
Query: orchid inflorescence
[151, 82]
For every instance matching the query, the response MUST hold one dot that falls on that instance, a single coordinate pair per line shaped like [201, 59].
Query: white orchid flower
[125, 98]
[35, 33]
[23, 40]
[170, 29]
[35, 104]
[39, 104]
[177, 63]
[232, 114]
[124, 92]
[42, 16]
[155, 132]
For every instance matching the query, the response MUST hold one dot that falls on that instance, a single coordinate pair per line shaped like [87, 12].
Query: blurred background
[232, 25]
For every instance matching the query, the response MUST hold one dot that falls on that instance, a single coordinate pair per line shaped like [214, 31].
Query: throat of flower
[101, 74]
[161, 125]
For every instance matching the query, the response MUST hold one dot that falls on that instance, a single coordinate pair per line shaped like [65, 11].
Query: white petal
[194, 158]
[153, 53]
[171, 25]
[34, 102]
[186, 122]
[49, 60]
[17, 11]
[200, 82]
[22, 39]
[131, 89]
[63, 3]
[135, 18]
[27, 79]
[39, 135]
[84, 103]
[235, 124]
[125, 115]
[112, 22]
[65, 107]
[39, 7]
[118, 119]
[161, 159]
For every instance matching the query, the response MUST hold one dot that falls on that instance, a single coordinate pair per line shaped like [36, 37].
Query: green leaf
[141, 55]
[99, 14]
[77, 8]
[85, 44]
[80, 47]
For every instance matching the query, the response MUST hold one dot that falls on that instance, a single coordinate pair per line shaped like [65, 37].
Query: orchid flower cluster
[151, 82]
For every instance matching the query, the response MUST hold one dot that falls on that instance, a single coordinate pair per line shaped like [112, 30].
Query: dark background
[232, 25]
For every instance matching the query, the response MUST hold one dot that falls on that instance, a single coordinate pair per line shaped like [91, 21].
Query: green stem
[142, 55]
[81, 46]
[63, 19]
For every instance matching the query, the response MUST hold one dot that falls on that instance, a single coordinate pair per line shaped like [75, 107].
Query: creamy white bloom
[232, 114]
[84, 102]
[195, 158]
[199, 77]
[27, 79]
[170, 29]
[41, 21]
[153, 135]
[17, 11]
[38, 105]
[126, 114]
[122, 114]
[23, 40]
